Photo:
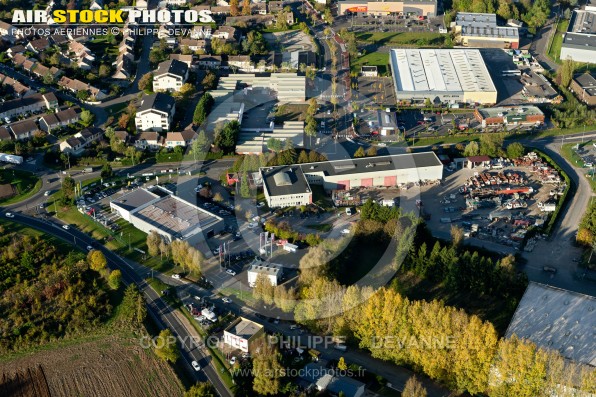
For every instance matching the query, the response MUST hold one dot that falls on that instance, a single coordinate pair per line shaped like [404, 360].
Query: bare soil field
[112, 366]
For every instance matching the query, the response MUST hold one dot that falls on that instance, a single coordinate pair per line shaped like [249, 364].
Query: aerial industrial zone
[298, 198]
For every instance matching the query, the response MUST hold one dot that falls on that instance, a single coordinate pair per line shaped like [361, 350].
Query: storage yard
[498, 204]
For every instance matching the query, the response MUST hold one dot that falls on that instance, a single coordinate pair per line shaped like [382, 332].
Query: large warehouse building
[289, 185]
[158, 210]
[447, 76]
[481, 30]
[579, 42]
[427, 8]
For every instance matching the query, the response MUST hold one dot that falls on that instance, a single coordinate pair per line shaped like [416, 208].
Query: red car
[421, 122]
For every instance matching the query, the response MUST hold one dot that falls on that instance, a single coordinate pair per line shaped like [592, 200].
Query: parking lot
[376, 90]
[587, 154]
[387, 23]
[495, 205]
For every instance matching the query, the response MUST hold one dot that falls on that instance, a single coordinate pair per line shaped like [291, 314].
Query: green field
[26, 184]
[421, 39]
[378, 59]
[554, 51]
[572, 157]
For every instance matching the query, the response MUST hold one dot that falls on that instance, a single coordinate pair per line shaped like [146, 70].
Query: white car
[89, 248]
[233, 360]
[47, 193]
[252, 225]
[226, 300]
[345, 231]
[231, 272]
[9, 215]
[198, 188]
[65, 227]
[176, 276]
[261, 204]
[197, 297]
[196, 366]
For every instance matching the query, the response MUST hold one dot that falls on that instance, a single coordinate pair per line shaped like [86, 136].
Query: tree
[153, 242]
[471, 149]
[302, 157]
[202, 389]
[359, 153]
[263, 290]
[244, 186]
[114, 279]
[266, 368]
[515, 150]
[218, 198]
[566, 71]
[274, 144]
[341, 364]
[246, 7]
[371, 151]
[166, 347]
[67, 191]
[106, 171]
[185, 92]
[123, 121]
[97, 261]
[48, 79]
[457, 236]
[328, 16]
[491, 145]
[234, 8]
[86, 118]
[83, 95]
[133, 307]
[210, 80]
[203, 108]
[413, 388]
[187, 257]
[146, 82]
[225, 138]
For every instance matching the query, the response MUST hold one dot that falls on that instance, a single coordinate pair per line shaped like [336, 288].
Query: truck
[11, 158]
[547, 207]
[88, 169]
[209, 315]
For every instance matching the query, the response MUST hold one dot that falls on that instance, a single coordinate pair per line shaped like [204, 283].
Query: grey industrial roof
[587, 82]
[502, 111]
[172, 66]
[158, 101]
[281, 181]
[348, 386]
[244, 328]
[134, 199]
[262, 267]
[581, 32]
[557, 319]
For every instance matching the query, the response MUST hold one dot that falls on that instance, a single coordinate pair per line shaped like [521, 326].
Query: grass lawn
[321, 227]
[320, 198]
[378, 59]
[554, 52]
[26, 184]
[117, 109]
[571, 156]
[425, 39]
[244, 296]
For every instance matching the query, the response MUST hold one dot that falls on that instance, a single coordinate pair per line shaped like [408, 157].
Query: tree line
[181, 253]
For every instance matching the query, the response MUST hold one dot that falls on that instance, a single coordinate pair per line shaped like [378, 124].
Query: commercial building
[242, 334]
[509, 116]
[288, 87]
[579, 42]
[170, 75]
[270, 270]
[254, 141]
[426, 8]
[155, 113]
[481, 30]
[442, 75]
[557, 319]
[584, 87]
[291, 185]
[383, 123]
[170, 216]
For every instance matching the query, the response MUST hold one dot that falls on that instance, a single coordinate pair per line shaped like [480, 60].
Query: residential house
[170, 75]
[194, 44]
[80, 55]
[209, 61]
[32, 103]
[41, 71]
[240, 63]
[201, 32]
[155, 113]
[8, 32]
[183, 138]
[80, 35]
[227, 33]
[123, 136]
[275, 6]
[189, 60]
[23, 129]
[29, 65]
[77, 144]
[5, 134]
[18, 59]
[77, 85]
[347, 386]
[17, 49]
[259, 8]
[149, 140]
[38, 45]
[58, 39]
[220, 10]
[124, 66]
[52, 121]
[20, 90]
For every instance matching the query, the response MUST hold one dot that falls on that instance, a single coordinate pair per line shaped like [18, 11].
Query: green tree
[244, 186]
[202, 389]
[97, 261]
[491, 145]
[48, 79]
[471, 149]
[67, 191]
[274, 144]
[106, 171]
[146, 83]
[210, 80]
[413, 388]
[263, 290]
[83, 95]
[341, 364]
[359, 153]
[371, 151]
[225, 138]
[303, 157]
[203, 108]
[153, 242]
[133, 309]
[234, 8]
[114, 279]
[166, 347]
[86, 118]
[267, 369]
[457, 236]
[565, 72]
[515, 150]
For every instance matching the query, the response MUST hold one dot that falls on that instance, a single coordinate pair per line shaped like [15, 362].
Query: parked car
[65, 227]
[550, 269]
[9, 215]
[233, 360]
[196, 366]
[226, 300]
[176, 276]
[89, 248]
[231, 272]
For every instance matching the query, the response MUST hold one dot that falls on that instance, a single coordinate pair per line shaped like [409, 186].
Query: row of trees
[182, 253]
[492, 145]
[533, 12]
[283, 297]
[203, 108]
[252, 162]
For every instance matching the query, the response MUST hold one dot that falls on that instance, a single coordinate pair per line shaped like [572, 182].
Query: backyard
[24, 184]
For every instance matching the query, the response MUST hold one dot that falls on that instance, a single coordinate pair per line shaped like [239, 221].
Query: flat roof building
[557, 319]
[442, 75]
[427, 8]
[509, 116]
[481, 30]
[270, 270]
[287, 185]
[242, 333]
[579, 42]
[170, 216]
[584, 87]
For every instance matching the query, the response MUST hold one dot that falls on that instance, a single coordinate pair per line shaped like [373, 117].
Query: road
[158, 309]
[541, 41]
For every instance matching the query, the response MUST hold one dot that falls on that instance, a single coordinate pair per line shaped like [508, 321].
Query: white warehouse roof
[440, 70]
